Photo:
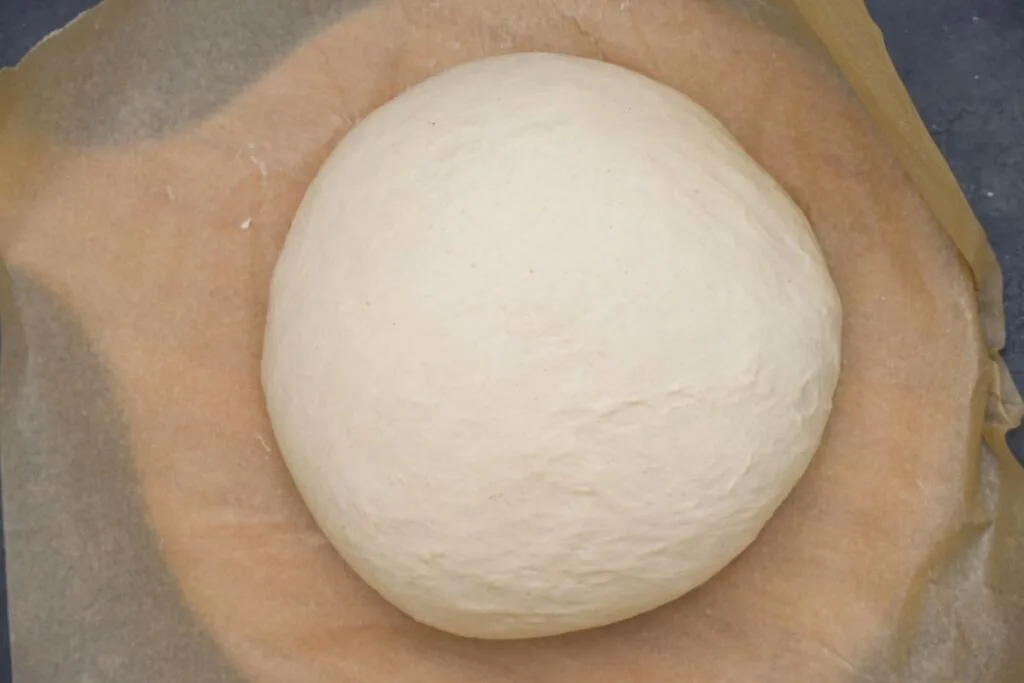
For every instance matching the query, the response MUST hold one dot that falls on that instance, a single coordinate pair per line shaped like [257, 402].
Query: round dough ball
[546, 348]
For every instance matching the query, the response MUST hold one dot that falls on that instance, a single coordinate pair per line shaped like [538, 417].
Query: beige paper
[151, 159]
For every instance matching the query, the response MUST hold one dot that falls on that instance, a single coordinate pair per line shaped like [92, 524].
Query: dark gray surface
[962, 60]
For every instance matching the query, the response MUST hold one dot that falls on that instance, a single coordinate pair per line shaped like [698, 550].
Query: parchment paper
[151, 158]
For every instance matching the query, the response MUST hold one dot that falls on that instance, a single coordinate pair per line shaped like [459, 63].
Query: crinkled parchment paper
[151, 158]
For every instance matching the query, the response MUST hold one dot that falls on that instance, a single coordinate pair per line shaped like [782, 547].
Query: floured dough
[546, 349]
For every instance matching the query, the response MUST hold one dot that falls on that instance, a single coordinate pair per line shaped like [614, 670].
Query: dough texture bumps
[546, 349]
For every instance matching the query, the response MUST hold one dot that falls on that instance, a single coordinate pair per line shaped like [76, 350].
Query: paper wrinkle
[150, 162]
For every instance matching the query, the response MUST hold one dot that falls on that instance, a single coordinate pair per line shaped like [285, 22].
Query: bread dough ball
[546, 348]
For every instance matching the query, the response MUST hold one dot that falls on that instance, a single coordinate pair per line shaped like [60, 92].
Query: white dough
[546, 348]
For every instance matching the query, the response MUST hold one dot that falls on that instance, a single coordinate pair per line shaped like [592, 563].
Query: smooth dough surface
[546, 348]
